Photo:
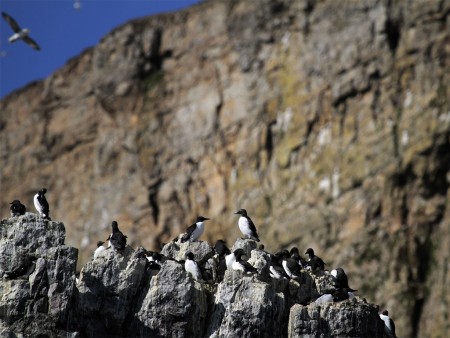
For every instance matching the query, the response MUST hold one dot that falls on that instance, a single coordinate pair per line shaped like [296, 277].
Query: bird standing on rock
[241, 265]
[315, 262]
[191, 266]
[389, 326]
[100, 249]
[117, 240]
[17, 208]
[340, 279]
[41, 204]
[246, 225]
[194, 231]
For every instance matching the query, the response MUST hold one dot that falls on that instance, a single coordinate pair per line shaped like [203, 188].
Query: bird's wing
[252, 227]
[44, 204]
[118, 240]
[11, 22]
[189, 232]
[31, 42]
[392, 327]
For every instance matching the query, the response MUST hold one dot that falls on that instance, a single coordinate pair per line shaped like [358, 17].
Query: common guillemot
[340, 279]
[389, 326]
[240, 265]
[194, 231]
[290, 265]
[17, 208]
[117, 240]
[315, 262]
[246, 225]
[41, 204]
[100, 249]
[191, 266]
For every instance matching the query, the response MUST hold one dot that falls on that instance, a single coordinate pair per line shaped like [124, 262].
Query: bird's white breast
[244, 226]
[238, 266]
[285, 267]
[98, 251]
[37, 205]
[229, 260]
[191, 267]
[198, 230]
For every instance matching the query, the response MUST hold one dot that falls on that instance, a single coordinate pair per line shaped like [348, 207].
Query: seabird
[194, 231]
[100, 249]
[246, 225]
[295, 255]
[41, 204]
[241, 265]
[315, 262]
[17, 208]
[221, 248]
[191, 266]
[117, 240]
[19, 33]
[389, 326]
[290, 265]
[275, 269]
[340, 279]
[231, 258]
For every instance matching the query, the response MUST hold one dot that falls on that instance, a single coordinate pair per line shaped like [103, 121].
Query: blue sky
[62, 31]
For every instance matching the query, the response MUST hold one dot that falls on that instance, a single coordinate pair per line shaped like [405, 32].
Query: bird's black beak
[237, 212]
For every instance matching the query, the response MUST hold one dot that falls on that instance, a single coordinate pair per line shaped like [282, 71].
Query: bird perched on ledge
[315, 262]
[246, 225]
[194, 231]
[19, 33]
[17, 208]
[117, 240]
[41, 204]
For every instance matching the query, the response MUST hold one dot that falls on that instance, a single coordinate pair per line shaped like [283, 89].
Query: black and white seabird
[231, 258]
[194, 231]
[191, 266]
[17, 208]
[295, 255]
[290, 265]
[275, 269]
[240, 265]
[19, 33]
[117, 240]
[340, 279]
[154, 260]
[246, 225]
[100, 249]
[389, 326]
[41, 204]
[315, 262]
[220, 248]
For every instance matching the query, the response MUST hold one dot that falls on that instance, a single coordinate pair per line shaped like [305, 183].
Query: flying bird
[19, 33]
[246, 225]
[389, 326]
[194, 231]
[117, 240]
[17, 208]
[41, 204]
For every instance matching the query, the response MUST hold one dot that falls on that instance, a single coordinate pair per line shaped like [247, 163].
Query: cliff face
[119, 295]
[327, 120]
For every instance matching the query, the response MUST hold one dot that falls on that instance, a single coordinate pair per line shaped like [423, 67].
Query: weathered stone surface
[38, 278]
[350, 318]
[327, 120]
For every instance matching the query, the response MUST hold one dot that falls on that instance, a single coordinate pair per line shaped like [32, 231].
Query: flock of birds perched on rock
[284, 264]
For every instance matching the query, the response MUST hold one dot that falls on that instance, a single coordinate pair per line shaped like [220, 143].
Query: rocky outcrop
[327, 120]
[118, 294]
[38, 278]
